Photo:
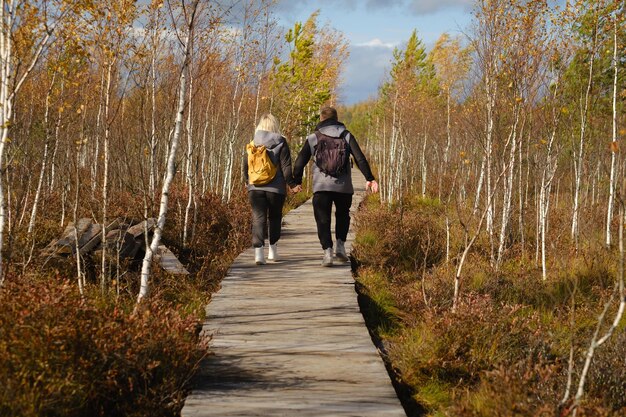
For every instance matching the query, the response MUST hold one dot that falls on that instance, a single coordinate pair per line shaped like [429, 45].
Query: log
[94, 230]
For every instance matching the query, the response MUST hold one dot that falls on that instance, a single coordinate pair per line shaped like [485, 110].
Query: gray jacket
[278, 151]
[323, 182]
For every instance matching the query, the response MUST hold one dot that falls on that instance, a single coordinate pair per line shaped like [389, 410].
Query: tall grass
[505, 350]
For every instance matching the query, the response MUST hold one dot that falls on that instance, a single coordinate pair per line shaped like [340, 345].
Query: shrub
[526, 388]
[607, 377]
[505, 351]
[398, 241]
[63, 355]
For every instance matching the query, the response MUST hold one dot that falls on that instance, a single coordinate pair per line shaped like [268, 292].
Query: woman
[267, 200]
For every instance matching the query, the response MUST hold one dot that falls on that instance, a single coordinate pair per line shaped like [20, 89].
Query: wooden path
[289, 339]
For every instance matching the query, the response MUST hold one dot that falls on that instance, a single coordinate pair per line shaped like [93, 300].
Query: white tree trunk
[596, 340]
[153, 89]
[578, 163]
[392, 166]
[203, 164]
[424, 166]
[235, 119]
[446, 150]
[459, 269]
[57, 139]
[105, 174]
[547, 176]
[96, 158]
[33, 213]
[79, 268]
[508, 190]
[609, 213]
[189, 166]
[10, 84]
[171, 164]
[490, 93]
[481, 179]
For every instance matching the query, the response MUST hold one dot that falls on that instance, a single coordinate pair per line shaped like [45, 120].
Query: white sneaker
[259, 258]
[273, 253]
[340, 251]
[328, 257]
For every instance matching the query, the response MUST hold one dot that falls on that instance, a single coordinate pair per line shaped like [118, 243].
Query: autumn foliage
[505, 350]
[63, 355]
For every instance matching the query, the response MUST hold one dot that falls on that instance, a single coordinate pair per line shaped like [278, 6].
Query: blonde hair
[269, 123]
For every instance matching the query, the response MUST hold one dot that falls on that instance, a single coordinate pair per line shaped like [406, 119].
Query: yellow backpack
[261, 169]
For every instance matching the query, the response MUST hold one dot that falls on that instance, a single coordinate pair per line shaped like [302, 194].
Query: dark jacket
[278, 150]
[321, 181]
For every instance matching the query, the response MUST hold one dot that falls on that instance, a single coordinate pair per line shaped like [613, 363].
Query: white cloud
[412, 6]
[367, 67]
[377, 43]
[432, 6]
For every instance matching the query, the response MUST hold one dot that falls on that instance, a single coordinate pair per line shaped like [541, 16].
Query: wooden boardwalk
[289, 339]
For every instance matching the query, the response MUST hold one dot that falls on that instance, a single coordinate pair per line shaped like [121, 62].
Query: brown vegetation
[505, 349]
[66, 354]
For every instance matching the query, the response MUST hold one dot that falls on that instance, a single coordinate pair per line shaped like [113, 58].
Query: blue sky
[374, 28]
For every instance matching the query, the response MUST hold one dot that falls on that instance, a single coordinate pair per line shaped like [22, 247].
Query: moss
[434, 395]
[381, 307]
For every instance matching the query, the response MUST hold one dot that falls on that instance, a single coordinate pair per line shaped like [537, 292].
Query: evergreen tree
[298, 85]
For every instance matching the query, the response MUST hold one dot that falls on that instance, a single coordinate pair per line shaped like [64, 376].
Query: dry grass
[505, 350]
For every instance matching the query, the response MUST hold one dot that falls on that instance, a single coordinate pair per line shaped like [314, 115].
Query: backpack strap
[316, 136]
[344, 135]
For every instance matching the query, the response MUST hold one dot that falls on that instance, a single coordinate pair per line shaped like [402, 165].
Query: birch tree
[487, 42]
[188, 14]
[31, 23]
[584, 113]
[452, 62]
[523, 66]
[618, 20]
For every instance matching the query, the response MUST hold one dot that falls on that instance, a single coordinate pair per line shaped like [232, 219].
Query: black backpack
[332, 154]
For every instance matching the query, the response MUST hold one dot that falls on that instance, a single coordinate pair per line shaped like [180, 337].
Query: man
[334, 187]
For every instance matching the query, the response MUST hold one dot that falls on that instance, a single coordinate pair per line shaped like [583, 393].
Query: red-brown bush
[63, 355]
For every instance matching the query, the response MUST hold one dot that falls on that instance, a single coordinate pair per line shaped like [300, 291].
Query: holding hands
[296, 189]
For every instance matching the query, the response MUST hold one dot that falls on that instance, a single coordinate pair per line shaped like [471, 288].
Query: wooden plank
[66, 244]
[69, 239]
[130, 246]
[94, 230]
[120, 240]
[169, 262]
[138, 229]
[94, 242]
[288, 338]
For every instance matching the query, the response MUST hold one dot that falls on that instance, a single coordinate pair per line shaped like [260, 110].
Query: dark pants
[322, 207]
[266, 205]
